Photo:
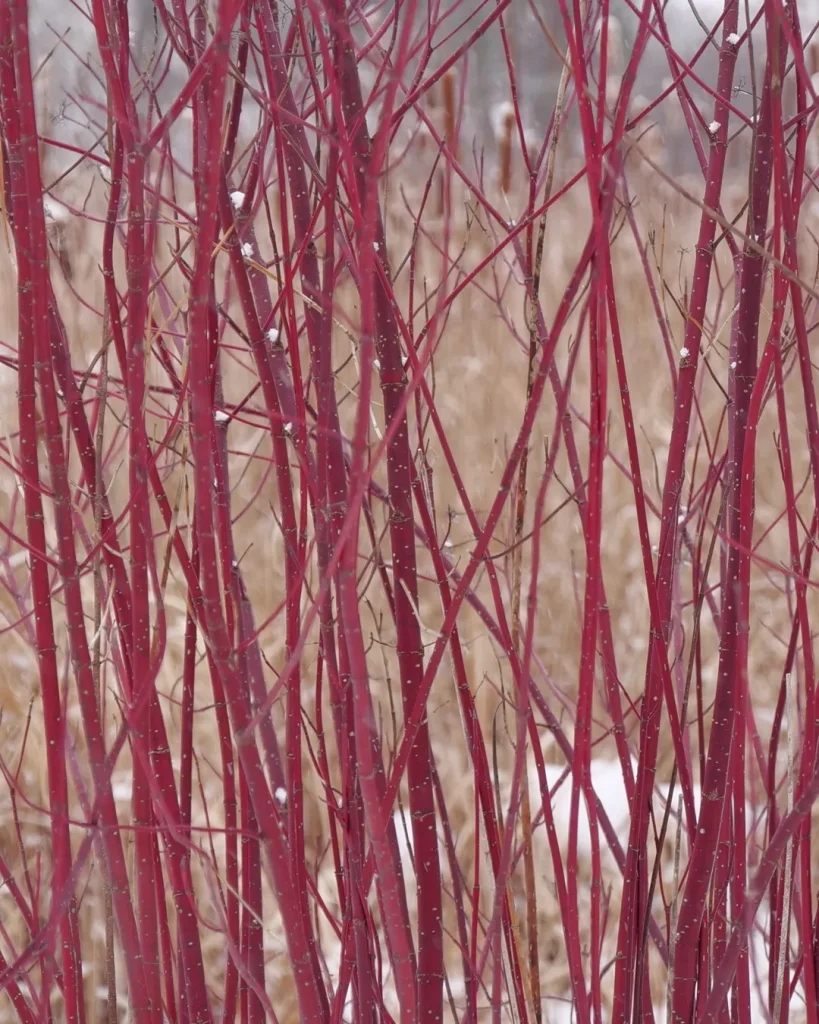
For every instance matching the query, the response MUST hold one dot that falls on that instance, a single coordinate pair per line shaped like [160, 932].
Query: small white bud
[734, 365]
[237, 199]
[684, 353]
[272, 335]
[714, 127]
[221, 416]
[732, 39]
[376, 246]
[281, 795]
[247, 250]
[288, 428]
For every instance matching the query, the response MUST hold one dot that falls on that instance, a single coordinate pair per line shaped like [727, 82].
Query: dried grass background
[479, 377]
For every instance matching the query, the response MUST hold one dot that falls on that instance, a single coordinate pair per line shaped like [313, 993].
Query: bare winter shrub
[411, 463]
